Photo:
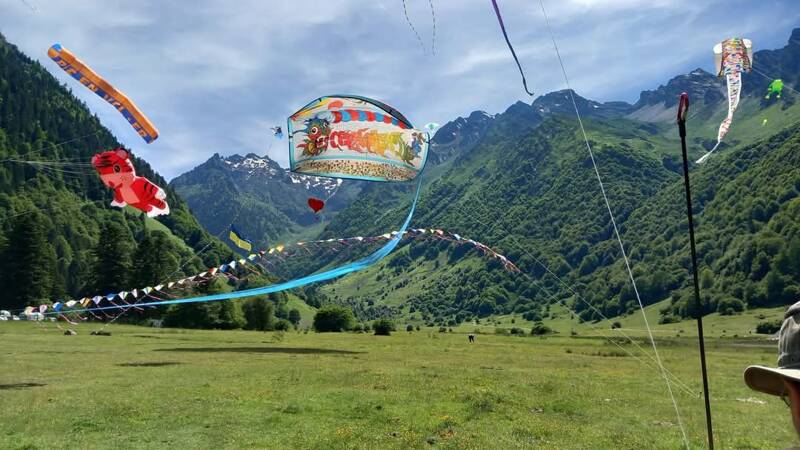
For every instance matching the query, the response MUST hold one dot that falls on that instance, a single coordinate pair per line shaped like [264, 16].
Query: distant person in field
[783, 381]
[471, 338]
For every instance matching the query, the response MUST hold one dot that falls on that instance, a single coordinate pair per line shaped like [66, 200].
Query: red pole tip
[683, 107]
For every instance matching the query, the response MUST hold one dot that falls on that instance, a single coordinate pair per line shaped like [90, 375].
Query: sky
[214, 76]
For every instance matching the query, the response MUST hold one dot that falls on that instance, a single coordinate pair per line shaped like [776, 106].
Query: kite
[239, 239]
[97, 84]
[414, 30]
[277, 132]
[510, 47]
[776, 87]
[431, 126]
[116, 170]
[372, 141]
[732, 56]
[355, 137]
[316, 204]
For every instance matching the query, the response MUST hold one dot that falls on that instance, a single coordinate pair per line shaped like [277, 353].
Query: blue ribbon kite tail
[298, 282]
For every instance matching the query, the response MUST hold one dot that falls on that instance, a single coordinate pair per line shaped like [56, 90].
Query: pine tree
[112, 258]
[27, 263]
[229, 316]
[191, 315]
[294, 316]
[154, 259]
[259, 314]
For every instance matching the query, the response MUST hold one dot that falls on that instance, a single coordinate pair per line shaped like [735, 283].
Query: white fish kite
[731, 56]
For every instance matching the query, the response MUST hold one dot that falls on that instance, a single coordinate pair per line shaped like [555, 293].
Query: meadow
[157, 388]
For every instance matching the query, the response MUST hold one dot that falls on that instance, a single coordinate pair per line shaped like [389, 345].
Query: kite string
[614, 224]
[167, 278]
[44, 208]
[563, 303]
[33, 152]
[32, 7]
[433, 38]
[771, 78]
[510, 47]
[405, 12]
[581, 298]
[708, 154]
[329, 274]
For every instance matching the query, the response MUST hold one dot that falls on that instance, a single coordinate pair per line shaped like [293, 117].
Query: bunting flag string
[236, 269]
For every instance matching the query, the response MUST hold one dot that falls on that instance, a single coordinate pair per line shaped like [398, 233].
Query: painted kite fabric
[776, 87]
[732, 57]
[78, 70]
[355, 137]
[117, 172]
[735, 59]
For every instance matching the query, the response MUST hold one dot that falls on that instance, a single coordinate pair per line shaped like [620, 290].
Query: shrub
[366, 327]
[533, 316]
[259, 314]
[294, 316]
[282, 325]
[333, 318]
[729, 306]
[383, 327]
[768, 327]
[409, 328]
[517, 331]
[417, 327]
[358, 328]
[540, 329]
[668, 318]
[616, 325]
[442, 330]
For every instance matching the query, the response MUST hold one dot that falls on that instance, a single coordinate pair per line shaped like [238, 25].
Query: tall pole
[683, 108]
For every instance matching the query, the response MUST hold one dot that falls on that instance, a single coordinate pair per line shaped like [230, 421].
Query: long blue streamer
[510, 47]
[291, 284]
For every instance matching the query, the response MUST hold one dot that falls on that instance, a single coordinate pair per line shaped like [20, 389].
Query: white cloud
[215, 75]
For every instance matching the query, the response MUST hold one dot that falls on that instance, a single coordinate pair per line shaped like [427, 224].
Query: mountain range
[262, 199]
[521, 181]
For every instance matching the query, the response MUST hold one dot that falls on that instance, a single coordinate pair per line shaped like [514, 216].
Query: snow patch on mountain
[253, 166]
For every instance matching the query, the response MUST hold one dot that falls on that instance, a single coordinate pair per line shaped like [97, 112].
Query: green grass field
[157, 388]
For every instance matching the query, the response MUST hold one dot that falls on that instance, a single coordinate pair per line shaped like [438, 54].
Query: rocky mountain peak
[699, 84]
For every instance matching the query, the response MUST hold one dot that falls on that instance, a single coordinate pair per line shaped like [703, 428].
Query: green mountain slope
[53, 209]
[265, 201]
[532, 196]
[747, 215]
[748, 233]
[522, 182]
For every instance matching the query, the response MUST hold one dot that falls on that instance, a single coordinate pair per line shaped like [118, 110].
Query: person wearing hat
[783, 381]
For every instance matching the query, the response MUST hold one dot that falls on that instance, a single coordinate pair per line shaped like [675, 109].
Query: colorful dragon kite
[732, 56]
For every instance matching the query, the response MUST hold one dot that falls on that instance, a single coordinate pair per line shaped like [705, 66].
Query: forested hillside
[58, 235]
[528, 192]
[748, 234]
[264, 200]
[531, 193]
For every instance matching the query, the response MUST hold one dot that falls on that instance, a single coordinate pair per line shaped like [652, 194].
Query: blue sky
[214, 76]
